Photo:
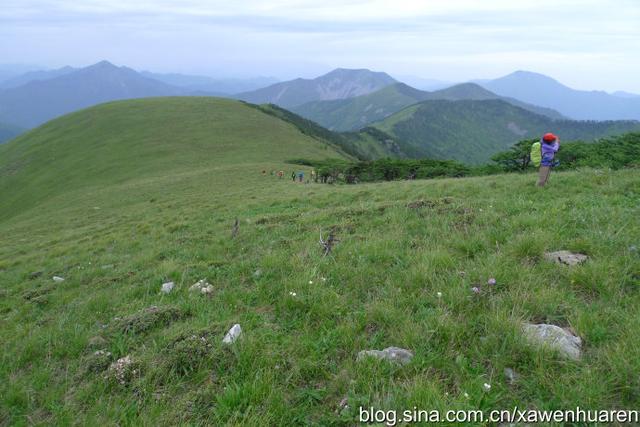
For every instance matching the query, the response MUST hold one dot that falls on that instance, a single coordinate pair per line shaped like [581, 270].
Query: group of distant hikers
[295, 175]
[542, 155]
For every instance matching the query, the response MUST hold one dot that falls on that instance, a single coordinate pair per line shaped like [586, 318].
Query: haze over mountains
[211, 85]
[338, 84]
[39, 101]
[467, 122]
[576, 104]
[36, 97]
[355, 113]
[472, 131]
[8, 132]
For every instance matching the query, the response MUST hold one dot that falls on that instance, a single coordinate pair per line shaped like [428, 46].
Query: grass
[296, 361]
[152, 138]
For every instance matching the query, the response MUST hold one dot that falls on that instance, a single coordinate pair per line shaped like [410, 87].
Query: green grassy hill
[355, 113]
[472, 131]
[147, 139]
[123, 197]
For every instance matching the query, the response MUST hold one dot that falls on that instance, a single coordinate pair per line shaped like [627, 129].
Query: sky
[586, 44]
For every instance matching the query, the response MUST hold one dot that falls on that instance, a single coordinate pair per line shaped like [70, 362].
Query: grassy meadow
[118, 223]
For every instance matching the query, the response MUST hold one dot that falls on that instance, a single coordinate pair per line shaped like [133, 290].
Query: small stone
[58, 279]
[167, 287]
[232, 335]
[200, 285]
[565, 257]
[392, 354]
[511, 375]
[554, 337]
[257, 273]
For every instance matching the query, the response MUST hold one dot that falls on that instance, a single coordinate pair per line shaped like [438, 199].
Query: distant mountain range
[211, 85]
[541, 90]
[38, 101]
[355, 113]
[32, 98]
[623, 94]
[31, 76]
[473, 130]
[382, 117]
[338, 84]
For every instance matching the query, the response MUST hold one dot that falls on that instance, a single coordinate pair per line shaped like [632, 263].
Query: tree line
[613, 152]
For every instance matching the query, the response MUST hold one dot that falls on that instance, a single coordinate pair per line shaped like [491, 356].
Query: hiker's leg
[543, 174]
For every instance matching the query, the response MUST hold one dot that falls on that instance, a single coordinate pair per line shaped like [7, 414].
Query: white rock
[392, 354]
[58, 279]
[565, 257]
[233, 334]
[167, 287]
[201, 286]
[554, 337]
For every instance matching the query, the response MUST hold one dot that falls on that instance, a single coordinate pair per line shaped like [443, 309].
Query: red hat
[549, 137]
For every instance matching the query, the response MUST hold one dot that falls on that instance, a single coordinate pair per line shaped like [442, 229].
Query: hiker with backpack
[542, 154]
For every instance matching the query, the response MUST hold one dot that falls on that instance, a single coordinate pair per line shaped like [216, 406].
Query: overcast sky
[587, 44]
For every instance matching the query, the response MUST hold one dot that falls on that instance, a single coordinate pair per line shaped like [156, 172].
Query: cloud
[434, 38]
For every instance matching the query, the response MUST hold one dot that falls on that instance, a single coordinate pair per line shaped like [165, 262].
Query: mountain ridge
[354, 113]
[340, 83]
[539, 89]
[471, 131]
[36, 102]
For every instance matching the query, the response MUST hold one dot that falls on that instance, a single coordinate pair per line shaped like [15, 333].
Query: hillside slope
[355, 113]
[338, 84]
[471, 131]
[145, 139]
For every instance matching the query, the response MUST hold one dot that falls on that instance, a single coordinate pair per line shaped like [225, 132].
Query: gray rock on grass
[392, 354]
[565, 257]
[202, 286]
[554, 337]
[167, 287]
[232, 335]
